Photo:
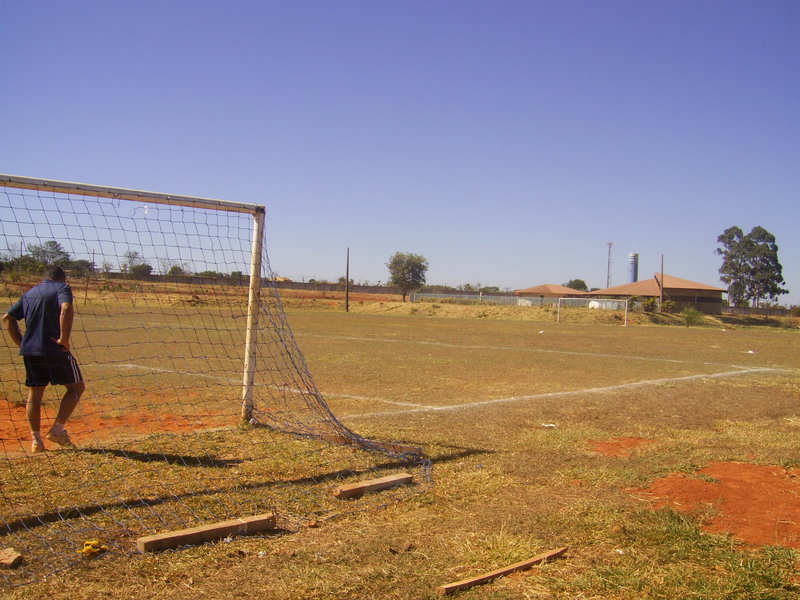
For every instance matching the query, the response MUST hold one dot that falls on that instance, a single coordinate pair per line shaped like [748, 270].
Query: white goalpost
[616, 305]
[199, 406]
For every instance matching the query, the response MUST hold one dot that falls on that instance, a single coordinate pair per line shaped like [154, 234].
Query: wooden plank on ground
[358, 489]
[10, 558]
[206, 533]
[520, 566]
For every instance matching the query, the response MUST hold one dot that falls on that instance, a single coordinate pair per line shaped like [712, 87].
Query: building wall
[707, 301]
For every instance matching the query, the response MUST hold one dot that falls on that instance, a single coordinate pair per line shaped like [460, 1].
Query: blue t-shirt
[40, 306]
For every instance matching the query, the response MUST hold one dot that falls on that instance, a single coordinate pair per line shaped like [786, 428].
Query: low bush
[692, 316]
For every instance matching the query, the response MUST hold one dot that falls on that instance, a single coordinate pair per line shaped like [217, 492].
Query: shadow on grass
[182, 460]
[756, 320]
[78, 512]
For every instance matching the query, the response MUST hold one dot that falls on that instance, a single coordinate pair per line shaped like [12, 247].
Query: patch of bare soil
[759, 505]
[89, 425]
[620, 447]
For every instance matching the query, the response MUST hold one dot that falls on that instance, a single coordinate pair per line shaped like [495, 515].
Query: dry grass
[508, 485]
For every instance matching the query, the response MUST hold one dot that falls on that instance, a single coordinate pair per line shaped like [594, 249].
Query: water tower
[633, 267]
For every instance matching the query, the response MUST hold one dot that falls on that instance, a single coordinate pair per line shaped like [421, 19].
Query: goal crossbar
[85, 189]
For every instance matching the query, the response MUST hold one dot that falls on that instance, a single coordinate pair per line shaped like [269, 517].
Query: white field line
[610, 388]
[414, 408]
[277, 387]
[525, 349]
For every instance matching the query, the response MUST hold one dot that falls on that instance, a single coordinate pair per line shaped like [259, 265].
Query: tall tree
[767, 277]
[407, 271]
[49, 253]
[750, 266]
[734, 270]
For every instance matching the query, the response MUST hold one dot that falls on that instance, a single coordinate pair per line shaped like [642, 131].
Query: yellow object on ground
[92, 548]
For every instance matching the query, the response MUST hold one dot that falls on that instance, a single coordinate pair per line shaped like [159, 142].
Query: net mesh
[161, 298]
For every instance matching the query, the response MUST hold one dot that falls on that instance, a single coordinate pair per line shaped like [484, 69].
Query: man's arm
[13, 329]
[65, 321]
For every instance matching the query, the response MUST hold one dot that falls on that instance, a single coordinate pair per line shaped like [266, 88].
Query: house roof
[549, 289]
[651, 287]
[676, 283]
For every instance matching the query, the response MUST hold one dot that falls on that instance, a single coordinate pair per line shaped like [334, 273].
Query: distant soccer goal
[199, 405]
[566, 304]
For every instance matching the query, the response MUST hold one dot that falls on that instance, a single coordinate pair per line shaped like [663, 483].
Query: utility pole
[608, 276]
[347, 283]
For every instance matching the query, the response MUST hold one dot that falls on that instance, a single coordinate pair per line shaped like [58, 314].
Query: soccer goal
[566, 304]
[199, 406]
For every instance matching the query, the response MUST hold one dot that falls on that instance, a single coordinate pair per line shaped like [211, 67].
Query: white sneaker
[37, 446]
[62, 439]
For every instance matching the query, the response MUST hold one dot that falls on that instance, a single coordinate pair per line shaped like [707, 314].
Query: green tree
[767, 275]
[140, 271]
[80, 268]
[135, 266]
[49, 253]
[750, 266]
[407, 271]
[24, 265]
[577, 284]
[734, 269]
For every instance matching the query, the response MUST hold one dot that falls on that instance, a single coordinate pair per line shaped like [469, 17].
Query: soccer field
[419, 364]
[511, 415]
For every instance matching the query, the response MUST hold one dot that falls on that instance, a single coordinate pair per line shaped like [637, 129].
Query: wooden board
[10, 558]
[205, 533]
[520, 566]
[358, 489]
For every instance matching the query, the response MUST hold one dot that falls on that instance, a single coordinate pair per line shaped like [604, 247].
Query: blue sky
[507, 142]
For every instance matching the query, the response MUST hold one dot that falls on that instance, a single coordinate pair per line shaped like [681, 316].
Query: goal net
[567, 304]
[199, 406]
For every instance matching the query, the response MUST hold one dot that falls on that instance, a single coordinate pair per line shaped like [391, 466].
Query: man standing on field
[48, 313]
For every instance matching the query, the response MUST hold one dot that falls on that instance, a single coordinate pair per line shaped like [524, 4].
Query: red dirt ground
[98, 426]
[759, 505]
[620, 447]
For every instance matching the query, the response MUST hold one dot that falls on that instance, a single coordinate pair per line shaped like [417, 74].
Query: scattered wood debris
[358, 489]
[406, 547]
[520, 566]
[10, 558]
[206, 533]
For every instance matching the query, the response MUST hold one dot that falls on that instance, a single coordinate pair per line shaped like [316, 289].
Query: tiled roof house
[682, 292]
[549, 290]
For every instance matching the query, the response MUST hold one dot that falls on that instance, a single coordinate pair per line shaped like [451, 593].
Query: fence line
[748, 310]
[507, 300]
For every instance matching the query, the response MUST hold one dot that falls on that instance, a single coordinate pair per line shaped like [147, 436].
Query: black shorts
[58, 369]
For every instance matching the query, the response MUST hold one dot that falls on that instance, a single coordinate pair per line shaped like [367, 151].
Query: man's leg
[33, 409]
[69, 401]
